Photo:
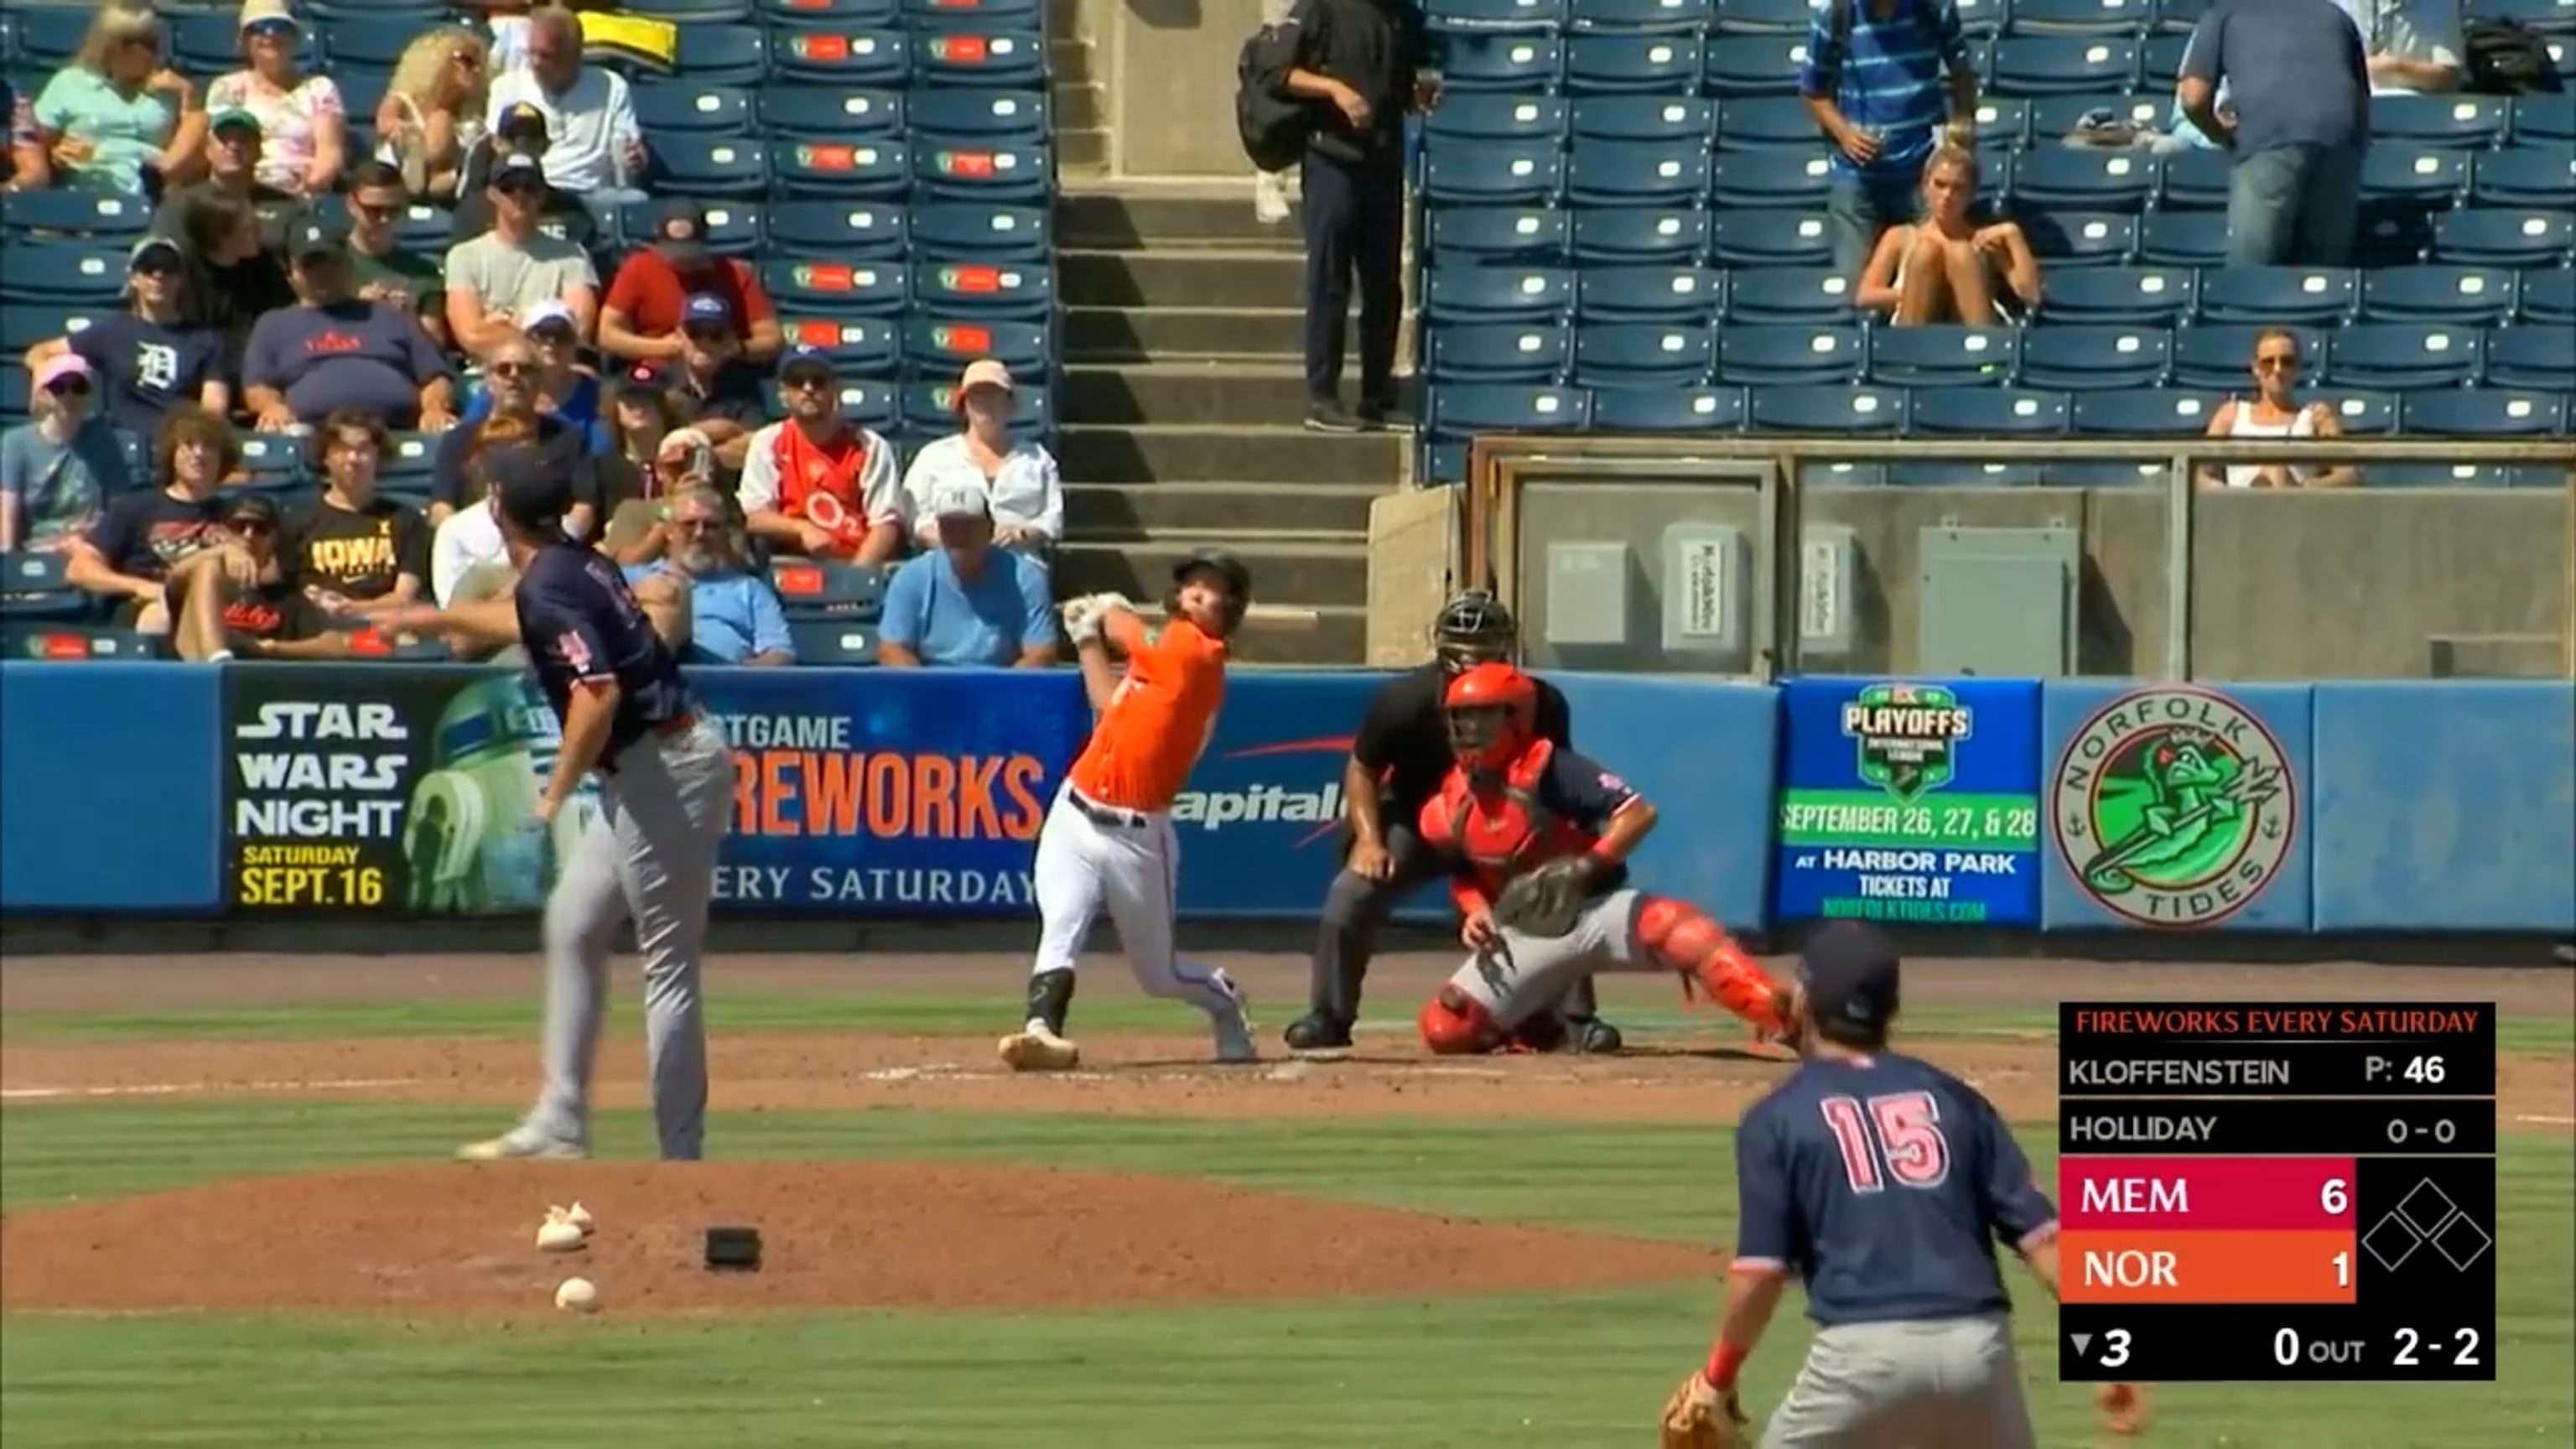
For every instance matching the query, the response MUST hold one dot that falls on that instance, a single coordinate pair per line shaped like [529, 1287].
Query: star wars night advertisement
[1909, 801]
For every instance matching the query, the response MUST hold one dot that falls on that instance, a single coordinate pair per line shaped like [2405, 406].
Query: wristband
[1723, 1362]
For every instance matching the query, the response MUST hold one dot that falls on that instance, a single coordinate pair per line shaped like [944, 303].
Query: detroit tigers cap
[1851, 975]
[530, 489]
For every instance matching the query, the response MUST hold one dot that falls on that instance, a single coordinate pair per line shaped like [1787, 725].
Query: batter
[1107, 842]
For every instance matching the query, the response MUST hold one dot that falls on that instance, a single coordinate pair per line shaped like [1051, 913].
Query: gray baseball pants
[1528, 974]
[1947, 1383]
[651, 855]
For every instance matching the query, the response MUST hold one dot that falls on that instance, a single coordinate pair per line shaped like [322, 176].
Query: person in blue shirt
[1884, 1184]
[968, 603]
[1875, 78]
[733, 616]
[566, 391]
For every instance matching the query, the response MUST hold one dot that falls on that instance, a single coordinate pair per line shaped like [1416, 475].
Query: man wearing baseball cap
[649, 299]
[819, 484]
[336, 350]
[147, 358]
[232, 169]
[253, 611]
[719, 391]
[494, 280]
[967, 603]
[519, 128]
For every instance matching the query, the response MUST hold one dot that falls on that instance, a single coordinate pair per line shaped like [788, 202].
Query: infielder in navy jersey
[1884, 1184]
[666, 792]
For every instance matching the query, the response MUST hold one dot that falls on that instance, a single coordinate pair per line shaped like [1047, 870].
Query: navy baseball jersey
[1885, 1182]
[580, 622]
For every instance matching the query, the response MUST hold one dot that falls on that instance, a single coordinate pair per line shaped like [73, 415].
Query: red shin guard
[1454, 1024]
[1679, 937]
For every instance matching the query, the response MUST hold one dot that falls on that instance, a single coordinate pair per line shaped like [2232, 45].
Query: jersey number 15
[1901, 1129]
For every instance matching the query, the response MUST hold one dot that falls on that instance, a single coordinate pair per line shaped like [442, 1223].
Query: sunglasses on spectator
[807, 378]
[2276, 364]
[385, 211]
[155, 267]
[555, 332]
[69, 387]
[273, 30]
[521, 189]
[511, 369]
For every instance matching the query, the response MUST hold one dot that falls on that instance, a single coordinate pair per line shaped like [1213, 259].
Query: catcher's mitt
[1701, 1415]
[1545, 901]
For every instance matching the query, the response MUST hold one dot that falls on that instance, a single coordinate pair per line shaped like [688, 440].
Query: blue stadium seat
[408, 460]
[1763, 17]
[2543, 119]
[1505, 17]
[1614, 236]
[2460, 475]
[2222, 357]
[1627, 355]
[1640, 118]
[2398, 356]
[2180, 16]
[2184, 239]
[1021, 174]
[1636, 173]
[1792, 296]
[1631, 65]
[2426, 177]
[879, 59]
[1770, 239]
[1498, 294]
[24, 324]
[1499, 233]
[1665, 296]
[1621, 15]
[420, 12]
[14, 386]
[2393, 234]
[2095, 358]
[2077, 178]
[1937, 357]
[858, 346]
[837, 230]
[679, 107]
[1783, 356]
[2529, 356]
[1498, 61]
[1006, 291]
[2194, 180]
[978, 117]
[1469, 409]
[2171, 412]
[2489, 412]
[1782, 176]
[2363, 414]
[1525, 353]
[1743, 67]
[2282, 296]
[830, 113]
[2504, 237]
[63, 641]
[2160, 63]
[1765, 121]
[976, 231]
[2062, 65]
[2079, 17]
[1004, 14]
[273, 461]
[1836, 412]
[870, 170]
[1495, 173]
[1496, 117]
[2003, 123]
[723, 55]
[2128, 296]
[50, 35]
[64, 272]
[2065, 240]
[374, 41]
[1989, 412]
[1015, 59]
[685, 13]
[362, 89]
[1668, 409]
[35, 586]
[2537, 177]
[834, 643]
[2455, 296]
[2549, 17]
[2053, 118]
[817, 288]
[2547, 298]
[734, 167]
[2472, 122]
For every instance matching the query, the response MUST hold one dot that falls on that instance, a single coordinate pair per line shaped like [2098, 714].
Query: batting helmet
[1228, 570]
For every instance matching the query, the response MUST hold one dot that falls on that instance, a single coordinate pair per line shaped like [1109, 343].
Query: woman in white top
[1027, 492]
[2275, 412]
[432, 114]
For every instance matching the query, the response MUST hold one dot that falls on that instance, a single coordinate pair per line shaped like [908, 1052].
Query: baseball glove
[1701, 1415]
[1545, 901]
[1082, 616]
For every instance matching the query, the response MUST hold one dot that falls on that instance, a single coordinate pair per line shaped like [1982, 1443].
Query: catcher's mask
[1214, 566]
[1473, 628]
[1491, 709]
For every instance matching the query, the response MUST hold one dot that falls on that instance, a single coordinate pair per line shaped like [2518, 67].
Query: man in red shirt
[648, 299]
[819, 484]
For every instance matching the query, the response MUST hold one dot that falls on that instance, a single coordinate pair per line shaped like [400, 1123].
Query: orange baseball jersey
[1158, 723]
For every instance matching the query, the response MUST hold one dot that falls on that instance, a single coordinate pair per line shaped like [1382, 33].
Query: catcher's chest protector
[1501, 827]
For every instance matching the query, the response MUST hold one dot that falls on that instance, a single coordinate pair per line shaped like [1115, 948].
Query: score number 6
[2336, 1198]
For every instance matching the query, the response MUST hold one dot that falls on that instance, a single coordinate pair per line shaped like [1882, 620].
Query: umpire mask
[1473, 628]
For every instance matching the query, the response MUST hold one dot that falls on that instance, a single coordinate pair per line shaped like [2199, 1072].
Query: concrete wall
[1166, 69]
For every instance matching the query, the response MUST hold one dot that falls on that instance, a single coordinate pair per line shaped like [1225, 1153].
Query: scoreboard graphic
[2294, 1192]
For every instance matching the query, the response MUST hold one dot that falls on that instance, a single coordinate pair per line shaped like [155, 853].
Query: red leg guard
[1678, 936]
[1454, 1024]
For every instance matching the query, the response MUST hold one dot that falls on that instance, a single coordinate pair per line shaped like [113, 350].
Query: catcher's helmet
[1473, 628]
[1491, 709]
[1229, 571]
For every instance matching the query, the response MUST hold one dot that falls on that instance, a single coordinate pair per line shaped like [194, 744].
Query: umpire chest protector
[1500, 825]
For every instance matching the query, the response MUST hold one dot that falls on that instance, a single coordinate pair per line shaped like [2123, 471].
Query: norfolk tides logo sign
[2173, 806]
[1906, 735]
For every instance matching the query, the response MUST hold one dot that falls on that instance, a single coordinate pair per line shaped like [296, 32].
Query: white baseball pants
[1094, 858]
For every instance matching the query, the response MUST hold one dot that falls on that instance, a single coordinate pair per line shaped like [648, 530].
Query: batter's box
[2392, 1242]
[2463, 1242]
[2426, 1208]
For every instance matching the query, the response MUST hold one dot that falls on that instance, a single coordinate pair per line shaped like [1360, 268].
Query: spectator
[507, 21]
[560, 214]
[598, 149]
[148, 544]
[385, 270]
[511, 401]
[1358, 62]
[566, 391]
[147, 359]
[304, 138]
[59, 467]
[1957, 265]
[496, 281]
[658, 285]
[252, 607]
[1026, 492]
[1874, 78]
[353, 553]
[432, 113]
[2275, 412]
[231, 278]
[336, 350]
[2301, 87]
[819, 484]
[732, 616]
[642, 411]
[116, 116]
[231, 156]
[719, 393]
[467, 557]
[1270, 188]
[967, 603]
[2413, 47]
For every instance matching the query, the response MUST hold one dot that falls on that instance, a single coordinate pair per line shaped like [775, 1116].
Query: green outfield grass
[1557, 1371]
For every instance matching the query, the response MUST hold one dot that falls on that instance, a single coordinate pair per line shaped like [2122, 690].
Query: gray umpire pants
[1356, 909]
[1946, 1383]
[651, 856]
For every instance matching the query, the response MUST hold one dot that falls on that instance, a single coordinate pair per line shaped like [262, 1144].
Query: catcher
[1539, 838]
[1885, 1183]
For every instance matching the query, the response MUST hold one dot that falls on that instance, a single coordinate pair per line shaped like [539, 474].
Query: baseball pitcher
[1539, 839]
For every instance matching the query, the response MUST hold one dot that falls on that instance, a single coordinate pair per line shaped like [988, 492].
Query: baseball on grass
[577, 1295]
[559, 1237]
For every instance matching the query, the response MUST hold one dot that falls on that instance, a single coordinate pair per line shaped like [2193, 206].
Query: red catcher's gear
[1678, 936]
[1492, 712]
[1454, 1024]
[1494, 821]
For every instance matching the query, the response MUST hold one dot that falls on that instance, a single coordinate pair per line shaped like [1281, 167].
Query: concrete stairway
[1080, 121]
[1179, 420]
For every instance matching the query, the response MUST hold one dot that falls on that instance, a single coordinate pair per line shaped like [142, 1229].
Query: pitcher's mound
[876, 1234]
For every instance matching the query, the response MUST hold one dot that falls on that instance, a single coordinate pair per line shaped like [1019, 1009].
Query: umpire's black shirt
[580, 622]
[1375, 47]
[1404, 739]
